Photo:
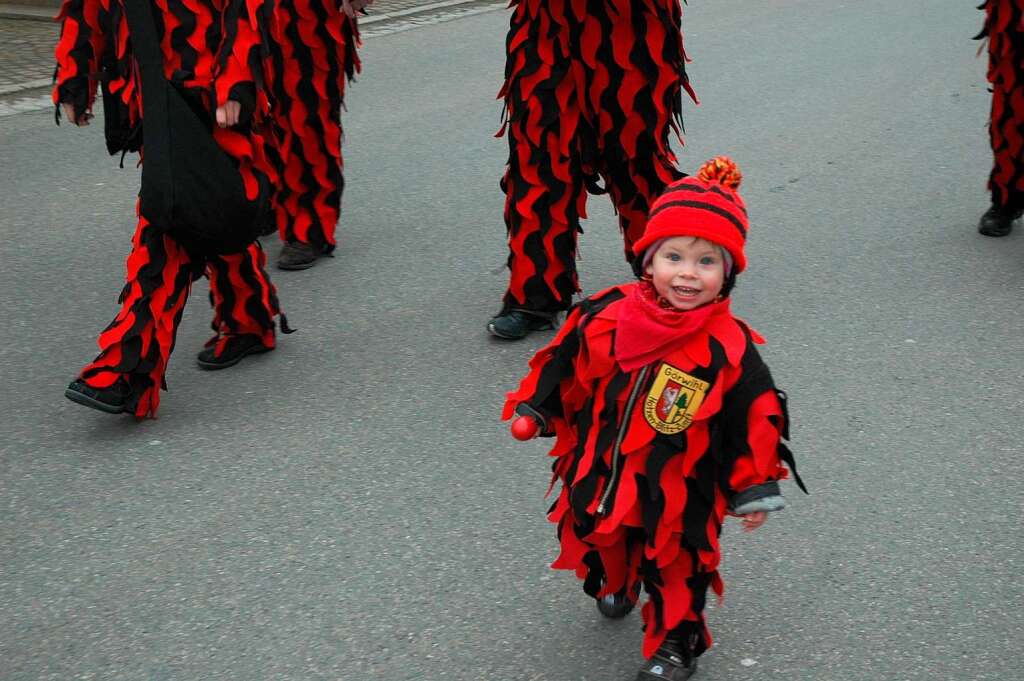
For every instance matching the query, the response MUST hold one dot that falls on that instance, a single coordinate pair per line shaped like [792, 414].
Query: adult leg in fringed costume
[593, 89]
[1004, 28]
[314, 54]
[137, 345]
[129, 372]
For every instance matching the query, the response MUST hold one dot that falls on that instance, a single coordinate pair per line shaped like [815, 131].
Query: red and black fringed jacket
[669, 448]
[213, 51]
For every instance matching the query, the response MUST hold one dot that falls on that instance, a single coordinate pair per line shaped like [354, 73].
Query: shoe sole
[614, 612]
[504, 336]
[497, 334]
[995, 233]
[648, 675]
[87, 401]
[214, 366]
[296, 267]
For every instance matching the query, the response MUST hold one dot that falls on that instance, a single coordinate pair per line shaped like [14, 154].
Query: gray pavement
[349, 506]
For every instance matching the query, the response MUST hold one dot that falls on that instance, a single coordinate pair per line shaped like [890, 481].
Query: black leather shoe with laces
[235, 350]
[997, 221]
[516, 324]
[297, 256]
[115, 399]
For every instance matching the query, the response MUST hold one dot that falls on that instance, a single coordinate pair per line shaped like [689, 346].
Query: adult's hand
[228, 114]
[352, 7]
[69, 113]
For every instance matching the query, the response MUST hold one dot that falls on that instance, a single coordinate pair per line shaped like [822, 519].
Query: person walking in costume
[314, 54]
[592, 91]
[1004, 28]
[666, 420]
[211, 54]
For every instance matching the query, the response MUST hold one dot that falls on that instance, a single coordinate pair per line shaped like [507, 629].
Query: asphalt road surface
[350, 507]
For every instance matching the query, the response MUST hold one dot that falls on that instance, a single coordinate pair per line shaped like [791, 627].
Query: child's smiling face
[687, 272]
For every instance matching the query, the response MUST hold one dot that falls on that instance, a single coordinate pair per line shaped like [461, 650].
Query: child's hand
[752, 521]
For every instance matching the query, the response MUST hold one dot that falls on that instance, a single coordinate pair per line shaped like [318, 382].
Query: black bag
[191, 188]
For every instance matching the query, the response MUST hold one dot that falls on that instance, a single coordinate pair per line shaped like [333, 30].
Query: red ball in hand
[524, 428]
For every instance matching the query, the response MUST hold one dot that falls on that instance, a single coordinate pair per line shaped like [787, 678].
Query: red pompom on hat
[705, 205]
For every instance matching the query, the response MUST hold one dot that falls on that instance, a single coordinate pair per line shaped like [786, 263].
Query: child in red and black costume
[666, 420]
[212, 52]
[1004, 28]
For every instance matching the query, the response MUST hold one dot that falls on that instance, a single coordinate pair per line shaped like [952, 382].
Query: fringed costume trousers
[593, 89]
[137, 345]
[314, 55]
[1004, 27]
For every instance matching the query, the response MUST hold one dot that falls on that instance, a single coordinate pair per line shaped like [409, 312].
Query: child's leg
[137, 345]
[244, 299]
[675, 608]
[315, 54]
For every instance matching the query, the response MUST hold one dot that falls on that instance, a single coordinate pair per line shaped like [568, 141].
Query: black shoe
[235, 350]
[115, 399]
[615, 606]
[997, 221]
[671, 662]
[516, 324]
[297, 256]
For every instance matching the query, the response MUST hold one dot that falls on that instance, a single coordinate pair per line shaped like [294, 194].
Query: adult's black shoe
[115, 399]
[997, 221]
[671, 662]
[297, 256]
[235, 350]
[615, 606]
[516, 324]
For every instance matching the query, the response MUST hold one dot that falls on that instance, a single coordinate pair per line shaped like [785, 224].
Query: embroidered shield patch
[673, 400]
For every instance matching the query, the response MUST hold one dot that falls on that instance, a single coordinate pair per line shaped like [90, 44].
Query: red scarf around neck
[646, 330]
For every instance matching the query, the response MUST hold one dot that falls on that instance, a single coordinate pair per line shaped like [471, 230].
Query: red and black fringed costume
[592, 90]
[1004, 28]
[314, 55]
[651, 459]
[212, 53]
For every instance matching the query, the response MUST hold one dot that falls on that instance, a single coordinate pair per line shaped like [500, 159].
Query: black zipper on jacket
[603, 508]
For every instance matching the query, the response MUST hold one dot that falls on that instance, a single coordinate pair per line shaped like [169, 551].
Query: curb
[373, 18]
[29, 85]
[28, 12]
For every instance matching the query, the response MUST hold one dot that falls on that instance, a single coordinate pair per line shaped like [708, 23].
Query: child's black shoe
[115, 399]
[615, 606]
[673, 661]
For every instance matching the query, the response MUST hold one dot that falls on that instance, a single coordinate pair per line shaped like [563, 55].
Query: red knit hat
[705, 205]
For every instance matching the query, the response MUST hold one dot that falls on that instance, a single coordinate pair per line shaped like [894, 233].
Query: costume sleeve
[82, 43]
[539, 392]
[240, 72]
[753, 424]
